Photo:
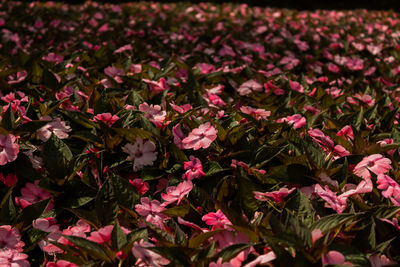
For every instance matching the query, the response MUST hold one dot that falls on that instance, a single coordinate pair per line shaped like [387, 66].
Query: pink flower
[205, 68]
[262, 260]
[346, 132]
[250, 86]
[153, 113]
[141, 153]
[46, 225]
[52, 57]
[377, 260]
[201, 137]
[296, 120]
[258, 114]
[115, 73]
[178, 135]
[103, 235]
[13, 258]
[334, 257]
[61, 263]
[107, 118]
[218, 220]
[229, 238]
[149, 207]
[146, 257]
[9, 180]
[182, 108]
[277, 196]
[295, 86]
[17, 78]
[176, 193]
[8, 149]
[334, 202]
[10, 238]
[320, 138]
[56, 127]
[193, 168]
[157, 87]
[140, 186]
[390, 188]
[31, 193]
[375, 163]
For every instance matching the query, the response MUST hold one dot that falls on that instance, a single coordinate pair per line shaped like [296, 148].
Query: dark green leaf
[95, 250]
[8, 120]
[106, 204]
[230, 252]
[125, 193]
[332, 221]
[32, 212]
[118, 238]
[56, 156]
[31, 126]
[8, 211]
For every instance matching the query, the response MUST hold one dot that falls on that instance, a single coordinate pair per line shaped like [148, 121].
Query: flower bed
[147, 134]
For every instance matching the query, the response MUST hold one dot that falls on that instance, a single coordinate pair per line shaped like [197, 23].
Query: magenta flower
[346, 132]
[8, 149]
[375, 163]
[176, 193]
[31, 193]
[61, 263]
[178, 135]
[201, 137]
[10, 238]
[334, 257]
[107, 118]
[277, 196]
[390, 188]
[17, 77]
[295, 86]
[217, 219]
[9, 180]
[141, 153]
[193, 168]
[154, 113]
[115, 73]
[149, 207]
[262, 260]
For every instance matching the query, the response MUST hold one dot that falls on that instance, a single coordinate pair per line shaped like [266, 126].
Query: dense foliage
[148, 134]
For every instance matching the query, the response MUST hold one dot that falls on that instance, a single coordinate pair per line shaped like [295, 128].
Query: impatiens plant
[150, 134]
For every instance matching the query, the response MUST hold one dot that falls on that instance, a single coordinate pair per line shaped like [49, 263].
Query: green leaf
[384, 212]
[134, 99]
[177, 211]
[31, 126]
[50, 80]
[76, 194]
[118, 238]
[8, 211]
[329, 222]
[213, 167]
[125, 194]
[106, 204]
[199, 239]
[178, 154]
[174, 254]
[131, 134]
[265, 154]
[357, 119]
[230, 252]
[8, 120]
[103, 104]
[32, 212]
[93, 249]
[300, 204]
[56, 156]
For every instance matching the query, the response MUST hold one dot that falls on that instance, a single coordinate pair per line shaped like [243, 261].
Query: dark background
[296, 4]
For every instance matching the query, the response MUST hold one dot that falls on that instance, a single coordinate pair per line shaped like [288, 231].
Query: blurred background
[296, 4]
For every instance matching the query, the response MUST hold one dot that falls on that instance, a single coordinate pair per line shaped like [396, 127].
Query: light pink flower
[193, 168]
[157, 87]
[103, 235]
[17, 77]
[334, 257]
[296, 120]
[46, 225]
[258, 114]
[250, 86]
[10, 238]
[13, 258]
[377, 260]
[146, 257]
[52, 57]
[107, 118]
[141, 153]
[178, 135]
[277, 196]
[333, 201]
[375, 163]
[149, 207]
[205, 68]
[115, 73]
[262, 260]
[176, 193]
[56, 127]
[153, 113]
[8, 149]
[182, 108]
[201, 137]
